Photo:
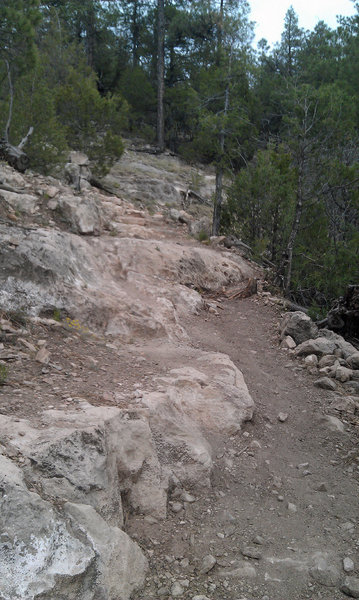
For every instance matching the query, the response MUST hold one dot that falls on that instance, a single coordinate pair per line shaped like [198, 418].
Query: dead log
[343, 317]
[249, 290]
[14, 155]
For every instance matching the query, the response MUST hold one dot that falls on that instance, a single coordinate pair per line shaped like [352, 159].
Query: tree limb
[26, 138]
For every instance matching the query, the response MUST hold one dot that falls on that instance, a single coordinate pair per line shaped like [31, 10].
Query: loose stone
[208, 563]
[348, 565]
[350, 587]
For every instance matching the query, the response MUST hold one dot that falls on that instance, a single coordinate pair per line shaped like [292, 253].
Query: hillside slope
[140, 463]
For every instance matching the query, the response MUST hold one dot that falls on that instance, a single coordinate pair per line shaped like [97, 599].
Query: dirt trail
[284, 493]
[282, 511]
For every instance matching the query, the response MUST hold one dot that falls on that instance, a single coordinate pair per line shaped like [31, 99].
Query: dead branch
[26, 138]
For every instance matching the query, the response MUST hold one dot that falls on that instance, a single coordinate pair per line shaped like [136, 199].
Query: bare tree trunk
[160, 75]
[90, 35]
[217, 210]
[135, 34]
[287, 262]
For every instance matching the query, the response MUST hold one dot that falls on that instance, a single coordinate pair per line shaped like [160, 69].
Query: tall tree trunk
[160, 74]
[219, 169]
[287, 262]
[135, 33]
[220, 33]
[90, 39]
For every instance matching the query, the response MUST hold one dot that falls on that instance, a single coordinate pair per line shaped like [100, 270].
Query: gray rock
[43, 553]
[343, 374]
[348, 565]
[176, 507]
[180, 215]
[25, 203]
[241, 570]
[346, 404]
[43, 356]
[177, 590]
[322, 487]
[258, 539]
[319, 346]
[252, 552]
[283, 417]
[311, 360]
[81, 213]
[208, 562]
[353, 360]
[343, 348]
[202, 225]
[288, 343]
[324, 571]
[333, 424]
[352, 386]
[299, 326]
[291, 507]
[350, 587]
[327, 361]
[326, 384]
[79, 158]
[91, 457]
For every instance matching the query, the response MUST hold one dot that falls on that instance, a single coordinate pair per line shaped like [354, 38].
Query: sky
[269, 15]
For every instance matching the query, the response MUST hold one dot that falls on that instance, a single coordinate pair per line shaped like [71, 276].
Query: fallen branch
[249, 290]
[9, 188]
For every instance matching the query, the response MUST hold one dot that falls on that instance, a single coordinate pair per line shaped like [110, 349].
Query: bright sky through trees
[269, 16]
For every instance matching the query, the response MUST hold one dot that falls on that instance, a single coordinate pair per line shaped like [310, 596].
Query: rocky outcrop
[51, 552]
[85, 469]
[124, 287]
[74, 475]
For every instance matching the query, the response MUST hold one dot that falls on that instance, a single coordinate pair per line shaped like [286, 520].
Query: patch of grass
[56, 314]
[203, 236]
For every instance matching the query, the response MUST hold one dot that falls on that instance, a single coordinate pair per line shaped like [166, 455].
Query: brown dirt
[253, 485]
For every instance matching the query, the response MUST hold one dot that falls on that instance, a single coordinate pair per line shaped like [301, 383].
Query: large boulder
[299, 326]
[82, 214]
[208, 395]
[319, 347]
[54, 555]
[92, 455]
[346, 349]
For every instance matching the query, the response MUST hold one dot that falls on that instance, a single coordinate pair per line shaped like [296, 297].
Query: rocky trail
[156, 439]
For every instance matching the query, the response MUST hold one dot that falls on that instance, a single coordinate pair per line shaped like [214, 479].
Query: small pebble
[283, 417]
